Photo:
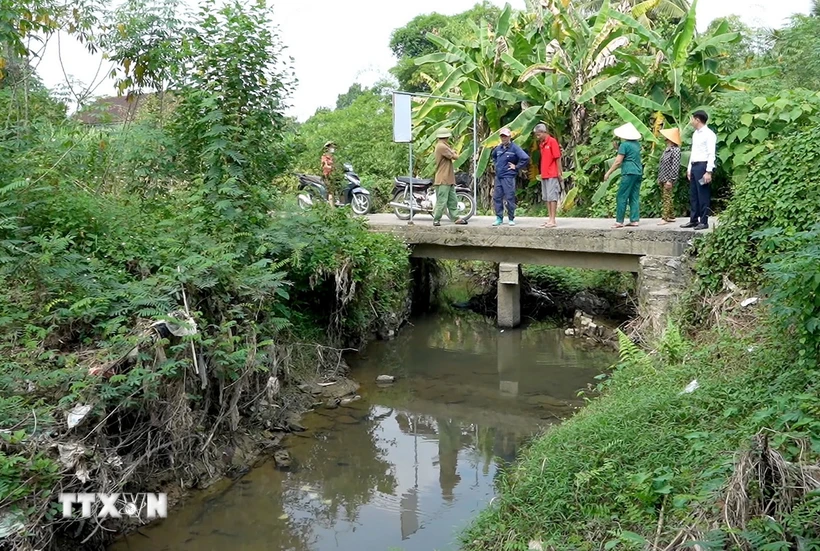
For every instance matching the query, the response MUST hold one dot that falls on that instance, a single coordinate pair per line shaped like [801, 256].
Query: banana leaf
[628, 116]
[569, 200]
[641, 30]
[644, 7]
[717, 40]
[503, 26]
[760, 72]
[452, 80]
[596, 87]
[685, 35]
[437, 58]
[601, 191]
[646, 103]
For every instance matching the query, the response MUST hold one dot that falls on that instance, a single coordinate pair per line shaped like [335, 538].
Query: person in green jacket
[629, 191]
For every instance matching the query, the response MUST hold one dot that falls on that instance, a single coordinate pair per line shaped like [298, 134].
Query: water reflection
[408, 465]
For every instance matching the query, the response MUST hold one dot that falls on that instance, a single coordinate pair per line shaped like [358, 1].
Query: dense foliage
[173, 215]
[780, 191]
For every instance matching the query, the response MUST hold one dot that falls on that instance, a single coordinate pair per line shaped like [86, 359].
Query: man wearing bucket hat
[669, 172]
[629, 190]
[445, 180]
[508, 159]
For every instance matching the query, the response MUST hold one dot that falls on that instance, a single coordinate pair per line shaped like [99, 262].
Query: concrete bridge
[652, 252]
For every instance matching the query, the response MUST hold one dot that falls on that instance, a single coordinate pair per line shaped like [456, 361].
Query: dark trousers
[504, 192]
[700, 197]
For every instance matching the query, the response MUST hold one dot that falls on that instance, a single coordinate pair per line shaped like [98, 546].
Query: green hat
[443, 133]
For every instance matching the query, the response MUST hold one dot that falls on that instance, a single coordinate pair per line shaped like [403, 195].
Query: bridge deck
[577, 242]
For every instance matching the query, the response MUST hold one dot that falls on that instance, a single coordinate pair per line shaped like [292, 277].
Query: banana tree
[680, 72]
[477, 69]
[641, 8]
[579, 61]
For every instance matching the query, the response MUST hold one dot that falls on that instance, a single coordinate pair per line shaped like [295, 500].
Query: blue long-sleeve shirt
[504, 155]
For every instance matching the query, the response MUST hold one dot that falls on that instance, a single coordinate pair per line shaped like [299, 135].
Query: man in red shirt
[552, 173]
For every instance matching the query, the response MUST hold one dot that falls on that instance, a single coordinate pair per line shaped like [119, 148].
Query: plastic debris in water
[283, 517]
[327, 501]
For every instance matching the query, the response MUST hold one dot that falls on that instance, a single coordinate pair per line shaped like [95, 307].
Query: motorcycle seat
[416, 181]
[310, 178]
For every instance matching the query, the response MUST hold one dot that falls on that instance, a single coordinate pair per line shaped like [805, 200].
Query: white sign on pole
[402, 118]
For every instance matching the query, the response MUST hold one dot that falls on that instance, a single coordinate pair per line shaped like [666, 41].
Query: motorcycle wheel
[360, 203]
[304, 205]
[402, 213]
[466, 206]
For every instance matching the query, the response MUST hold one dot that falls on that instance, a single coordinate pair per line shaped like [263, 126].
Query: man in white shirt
[701, 166]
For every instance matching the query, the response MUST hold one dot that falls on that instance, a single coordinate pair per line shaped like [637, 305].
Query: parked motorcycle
[312, 189]
[424, 198]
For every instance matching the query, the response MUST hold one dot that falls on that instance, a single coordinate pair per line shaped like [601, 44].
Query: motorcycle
[312, 189]
[424, 198]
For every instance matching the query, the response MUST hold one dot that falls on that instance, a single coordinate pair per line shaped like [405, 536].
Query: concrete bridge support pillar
[509, 296]
[661, 280]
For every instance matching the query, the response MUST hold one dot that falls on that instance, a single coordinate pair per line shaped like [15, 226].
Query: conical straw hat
[672, 134]
[628, 132]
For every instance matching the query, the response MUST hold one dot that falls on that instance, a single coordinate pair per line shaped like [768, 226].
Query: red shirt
[550, 153]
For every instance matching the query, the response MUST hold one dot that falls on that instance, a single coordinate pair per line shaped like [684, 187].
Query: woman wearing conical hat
[669, 172]
[629, 190]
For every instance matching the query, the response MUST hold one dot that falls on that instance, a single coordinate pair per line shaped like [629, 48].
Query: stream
[409, 465]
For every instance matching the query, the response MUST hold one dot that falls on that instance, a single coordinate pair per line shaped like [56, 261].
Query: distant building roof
[111, 110]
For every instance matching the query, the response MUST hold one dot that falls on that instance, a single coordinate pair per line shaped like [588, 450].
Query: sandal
[617, 226]
[633, 224]
[663, 222]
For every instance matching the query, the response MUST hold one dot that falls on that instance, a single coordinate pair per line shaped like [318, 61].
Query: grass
[644, 460]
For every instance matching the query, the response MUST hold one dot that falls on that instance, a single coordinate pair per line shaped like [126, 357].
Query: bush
[794, 287]
[781, 191]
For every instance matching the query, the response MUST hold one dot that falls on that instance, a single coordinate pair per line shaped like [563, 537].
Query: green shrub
[794, 287]
[781, 191]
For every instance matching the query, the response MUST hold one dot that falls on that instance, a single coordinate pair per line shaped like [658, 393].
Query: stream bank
[409, 463]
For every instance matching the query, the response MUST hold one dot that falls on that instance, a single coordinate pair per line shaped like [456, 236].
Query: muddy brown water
[409, 465]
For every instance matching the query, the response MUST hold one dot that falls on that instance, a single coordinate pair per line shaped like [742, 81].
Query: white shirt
[704, 143]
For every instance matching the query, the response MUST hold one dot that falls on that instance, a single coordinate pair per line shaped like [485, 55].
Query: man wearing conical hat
[629, 190]
[669, 172]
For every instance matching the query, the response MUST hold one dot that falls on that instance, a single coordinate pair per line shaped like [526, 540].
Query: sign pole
[411, 197]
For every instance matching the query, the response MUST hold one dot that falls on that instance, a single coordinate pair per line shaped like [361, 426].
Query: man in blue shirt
[508, 159]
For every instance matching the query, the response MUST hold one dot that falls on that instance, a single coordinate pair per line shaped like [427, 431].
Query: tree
[681, 72]
[411, 42]
[145, 39]
[797, 51]
[665, 8]
[230, 121]
[347, 99]
[748, 51]
[523, 69]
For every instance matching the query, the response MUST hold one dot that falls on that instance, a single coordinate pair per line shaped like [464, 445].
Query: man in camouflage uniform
[327, 168]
